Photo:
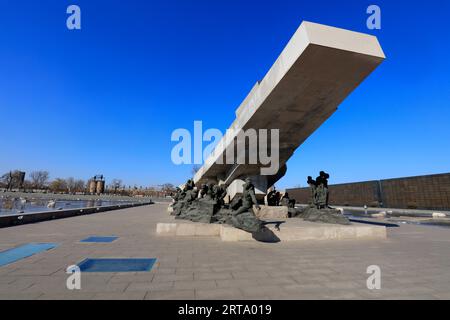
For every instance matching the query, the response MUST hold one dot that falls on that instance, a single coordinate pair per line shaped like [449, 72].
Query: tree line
[40, 181]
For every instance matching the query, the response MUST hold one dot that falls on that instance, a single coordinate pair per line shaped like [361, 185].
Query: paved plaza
[414, 262]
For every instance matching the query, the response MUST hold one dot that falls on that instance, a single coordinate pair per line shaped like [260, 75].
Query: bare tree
[168, 188]
[13, 179]
[27, 185]
[7, 180]
[39, 179]
[116, 185]
[79, 185]
[70, 183]
[58, 185]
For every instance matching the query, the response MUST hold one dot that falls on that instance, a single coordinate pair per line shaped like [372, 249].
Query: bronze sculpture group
[207, 205]
[319, 190]
[318, 209]
[275, 199]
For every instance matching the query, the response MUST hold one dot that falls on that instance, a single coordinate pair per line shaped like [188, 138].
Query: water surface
[10, 205]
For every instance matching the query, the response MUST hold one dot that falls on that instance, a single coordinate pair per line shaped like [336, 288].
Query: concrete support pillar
[236, 188]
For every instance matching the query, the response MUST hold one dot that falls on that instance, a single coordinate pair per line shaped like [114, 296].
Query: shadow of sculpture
[265, 235]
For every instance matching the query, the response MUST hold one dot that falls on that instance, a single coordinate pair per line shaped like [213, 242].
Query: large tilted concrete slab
[317, 70]
[291, 230]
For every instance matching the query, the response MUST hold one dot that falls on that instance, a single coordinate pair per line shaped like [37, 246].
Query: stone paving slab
[414, 262]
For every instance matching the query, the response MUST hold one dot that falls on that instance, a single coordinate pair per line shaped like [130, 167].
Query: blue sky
[107, 98]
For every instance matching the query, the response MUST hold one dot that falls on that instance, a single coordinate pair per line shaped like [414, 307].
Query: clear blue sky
[107, 98]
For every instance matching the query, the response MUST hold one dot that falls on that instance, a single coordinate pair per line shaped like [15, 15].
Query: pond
[13, 205]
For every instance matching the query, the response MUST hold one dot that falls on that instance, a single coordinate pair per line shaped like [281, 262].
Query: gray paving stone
[20, 296]
[249, 274]
[195, 284]
[120, 296]
[150, 286]
[415, 263]
[219, 294]
[212, 275]
[171, 295]
[173, 277]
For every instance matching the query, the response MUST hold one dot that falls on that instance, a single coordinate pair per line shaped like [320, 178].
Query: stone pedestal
[267, 212]
[188, 229]
[292, 230]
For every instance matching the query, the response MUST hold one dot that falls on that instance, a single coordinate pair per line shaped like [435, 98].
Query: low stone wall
[431, 192]
[20, 219]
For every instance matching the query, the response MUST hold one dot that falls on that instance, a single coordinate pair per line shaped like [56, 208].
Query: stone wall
[422, 192]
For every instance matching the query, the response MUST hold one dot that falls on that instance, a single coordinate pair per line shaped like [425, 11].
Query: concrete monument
[316, 71]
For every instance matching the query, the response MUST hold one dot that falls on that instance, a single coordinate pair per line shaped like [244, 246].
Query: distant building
[96, 185]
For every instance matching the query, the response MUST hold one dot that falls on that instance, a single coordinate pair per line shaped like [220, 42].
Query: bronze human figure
[319, 210]
[312, 186]
[210, 207]
[244, 217]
